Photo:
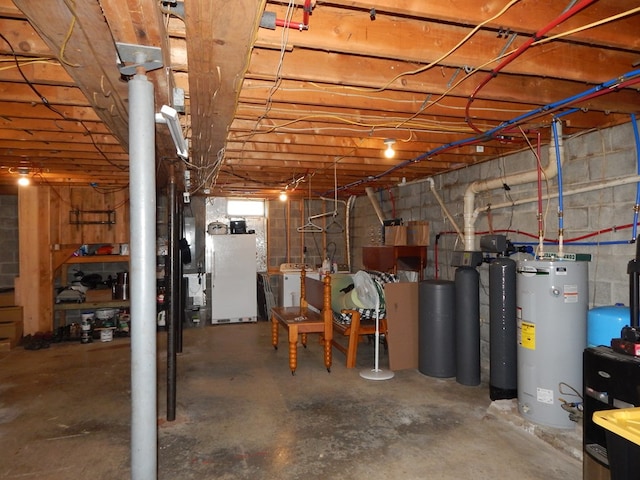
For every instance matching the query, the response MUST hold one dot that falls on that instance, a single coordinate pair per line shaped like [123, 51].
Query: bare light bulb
[389, 152]
[283, 196]
[23, 181]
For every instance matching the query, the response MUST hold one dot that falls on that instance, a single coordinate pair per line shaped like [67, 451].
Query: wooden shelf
[92, 305]
[98, 259]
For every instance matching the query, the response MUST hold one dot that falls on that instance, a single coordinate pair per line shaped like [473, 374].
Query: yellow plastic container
[624, 422]
[623, 441]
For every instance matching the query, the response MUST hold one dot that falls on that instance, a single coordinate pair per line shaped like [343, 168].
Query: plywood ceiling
[305, 101]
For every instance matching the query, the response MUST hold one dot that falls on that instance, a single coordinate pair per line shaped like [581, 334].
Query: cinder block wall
[292, 240]
[9, 267]
[590, 160]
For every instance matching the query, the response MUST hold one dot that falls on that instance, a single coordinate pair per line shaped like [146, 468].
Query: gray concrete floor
[65, 413]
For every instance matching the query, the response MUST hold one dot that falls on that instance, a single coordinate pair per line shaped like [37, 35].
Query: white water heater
[551, 308]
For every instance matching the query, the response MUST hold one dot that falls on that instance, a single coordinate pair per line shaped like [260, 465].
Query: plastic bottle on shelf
[326, 266]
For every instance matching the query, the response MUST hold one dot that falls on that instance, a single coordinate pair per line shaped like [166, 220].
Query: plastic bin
[623, 441]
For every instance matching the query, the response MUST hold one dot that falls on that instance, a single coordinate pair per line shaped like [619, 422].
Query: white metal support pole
[142, 194]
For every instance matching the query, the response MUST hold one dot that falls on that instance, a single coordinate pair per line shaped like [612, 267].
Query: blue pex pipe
[634, 123]
[554, 126]
[488, 135]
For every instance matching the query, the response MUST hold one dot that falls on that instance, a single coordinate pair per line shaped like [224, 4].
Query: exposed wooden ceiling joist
[265, 107]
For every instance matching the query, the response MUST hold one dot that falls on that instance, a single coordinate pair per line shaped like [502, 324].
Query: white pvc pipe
[550, 171]
[444, 208]
[374, 202]
[614, 182]
[142, 193]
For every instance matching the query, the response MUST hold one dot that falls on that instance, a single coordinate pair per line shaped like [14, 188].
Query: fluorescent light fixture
[389, 152]
[169, 116]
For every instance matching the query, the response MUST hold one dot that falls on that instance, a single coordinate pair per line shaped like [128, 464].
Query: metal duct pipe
[142, 193]
[375, 204]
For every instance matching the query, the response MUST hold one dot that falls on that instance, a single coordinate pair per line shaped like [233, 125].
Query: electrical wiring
[46, 103]
[476, 69]
[438, 100]
[28, 61]
[598, 23]
[519, 51]
[67, 35]
[368, 120]
[397, 101]
[443, 56]
[506, 54]
[344, 120]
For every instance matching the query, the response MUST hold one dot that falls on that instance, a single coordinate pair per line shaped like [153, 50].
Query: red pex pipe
[525, 46]
[304, 25]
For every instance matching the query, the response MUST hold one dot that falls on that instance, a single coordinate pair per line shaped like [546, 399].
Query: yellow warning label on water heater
[528, 335]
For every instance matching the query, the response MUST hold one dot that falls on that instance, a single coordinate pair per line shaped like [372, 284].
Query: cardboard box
[401, 301]
[395, 235]
[11, 325]
[99, 295]
[10, 314]
[418, 232]
[7, 297]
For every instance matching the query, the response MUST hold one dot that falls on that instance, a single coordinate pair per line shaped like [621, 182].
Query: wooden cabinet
[393, 258]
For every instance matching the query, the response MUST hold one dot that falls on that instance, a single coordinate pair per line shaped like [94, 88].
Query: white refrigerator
[232, 290]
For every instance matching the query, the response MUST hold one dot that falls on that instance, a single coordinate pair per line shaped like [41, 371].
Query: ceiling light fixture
[23, 181]
[389, 152]
[283, 196]
[169, 116]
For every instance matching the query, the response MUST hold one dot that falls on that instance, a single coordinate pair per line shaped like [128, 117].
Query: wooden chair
[355, 331]
[360, 325]
[312, 316]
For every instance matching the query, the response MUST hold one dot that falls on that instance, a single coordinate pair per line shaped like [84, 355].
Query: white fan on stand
[369, 297]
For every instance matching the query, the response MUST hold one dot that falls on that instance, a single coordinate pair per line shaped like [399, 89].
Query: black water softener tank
[503, 360]
[437, 328]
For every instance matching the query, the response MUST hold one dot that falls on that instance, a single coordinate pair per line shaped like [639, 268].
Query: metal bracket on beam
[150, 58]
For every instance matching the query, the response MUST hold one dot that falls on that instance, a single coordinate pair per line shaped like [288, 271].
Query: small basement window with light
[245, 208]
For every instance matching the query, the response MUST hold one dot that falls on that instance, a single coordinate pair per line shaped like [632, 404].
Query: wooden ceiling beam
[361, 74]
[218, 51]
[45, 72]
[88, 54]
[524, 16]
[421, 42]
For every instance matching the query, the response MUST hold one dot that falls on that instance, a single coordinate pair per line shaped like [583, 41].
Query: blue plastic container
[605, 323]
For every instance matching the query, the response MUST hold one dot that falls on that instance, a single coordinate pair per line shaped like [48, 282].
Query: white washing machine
[290, 283]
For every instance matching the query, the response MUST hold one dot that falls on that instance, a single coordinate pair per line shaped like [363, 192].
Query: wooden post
[34, 285]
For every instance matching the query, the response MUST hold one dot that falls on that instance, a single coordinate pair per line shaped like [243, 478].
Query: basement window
[245, 208]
